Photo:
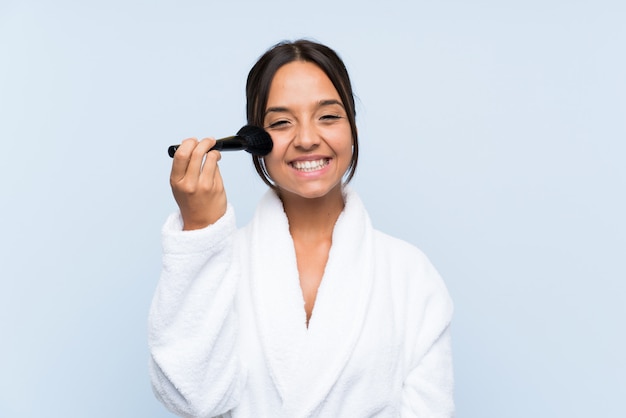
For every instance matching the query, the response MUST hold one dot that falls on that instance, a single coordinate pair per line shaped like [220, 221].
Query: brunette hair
[260, 79]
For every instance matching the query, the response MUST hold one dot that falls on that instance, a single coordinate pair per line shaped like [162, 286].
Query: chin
[311, 192]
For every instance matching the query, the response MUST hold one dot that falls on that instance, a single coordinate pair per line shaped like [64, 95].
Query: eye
[278, 124]
[330, 118]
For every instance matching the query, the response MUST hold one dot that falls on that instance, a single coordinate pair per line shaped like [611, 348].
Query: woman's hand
[197, 183]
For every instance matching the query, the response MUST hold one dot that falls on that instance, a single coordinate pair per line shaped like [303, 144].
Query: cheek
[342, 141]
[273, 160]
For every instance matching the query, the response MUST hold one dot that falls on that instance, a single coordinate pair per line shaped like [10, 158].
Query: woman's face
[311, 133]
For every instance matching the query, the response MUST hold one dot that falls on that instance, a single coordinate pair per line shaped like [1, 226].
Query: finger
[211, 156]
[182, 158]
[210, 175]
[197, 159]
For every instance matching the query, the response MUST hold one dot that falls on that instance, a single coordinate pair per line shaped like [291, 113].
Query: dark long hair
[260, 80]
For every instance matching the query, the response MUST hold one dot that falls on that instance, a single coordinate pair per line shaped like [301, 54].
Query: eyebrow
[330, 102]
[321, 103]
[277, 109]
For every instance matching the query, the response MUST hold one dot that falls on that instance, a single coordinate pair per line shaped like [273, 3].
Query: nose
[307, 137]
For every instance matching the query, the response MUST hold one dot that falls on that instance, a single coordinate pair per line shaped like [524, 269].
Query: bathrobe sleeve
[428, 389]
[194, 366]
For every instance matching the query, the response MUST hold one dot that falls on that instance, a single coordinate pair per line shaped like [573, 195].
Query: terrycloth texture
[228, 328]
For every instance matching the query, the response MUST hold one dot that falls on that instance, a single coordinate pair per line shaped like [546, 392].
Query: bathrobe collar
[305, 363]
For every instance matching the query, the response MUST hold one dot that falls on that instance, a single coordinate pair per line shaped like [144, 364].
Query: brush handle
[231, 143]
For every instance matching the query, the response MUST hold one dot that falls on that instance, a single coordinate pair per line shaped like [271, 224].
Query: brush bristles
[257, 140]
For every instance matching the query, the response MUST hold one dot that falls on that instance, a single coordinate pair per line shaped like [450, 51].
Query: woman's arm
[195, 369]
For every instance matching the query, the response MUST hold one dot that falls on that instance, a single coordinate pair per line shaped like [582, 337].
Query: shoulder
[397, 244]
[402, 253]
[408, 269]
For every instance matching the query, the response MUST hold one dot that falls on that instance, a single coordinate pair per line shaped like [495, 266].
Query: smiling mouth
[310, 165]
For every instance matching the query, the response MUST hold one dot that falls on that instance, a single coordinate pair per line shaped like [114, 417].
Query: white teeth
[310, 165]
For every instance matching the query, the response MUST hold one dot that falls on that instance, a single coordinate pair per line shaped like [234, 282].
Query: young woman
[307, 311]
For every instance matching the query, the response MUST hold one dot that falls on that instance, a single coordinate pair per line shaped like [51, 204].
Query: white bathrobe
[228, 334]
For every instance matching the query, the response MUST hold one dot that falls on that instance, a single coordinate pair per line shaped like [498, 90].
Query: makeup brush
[249, 138]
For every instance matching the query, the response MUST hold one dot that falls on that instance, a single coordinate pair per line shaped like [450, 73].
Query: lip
[310, 158]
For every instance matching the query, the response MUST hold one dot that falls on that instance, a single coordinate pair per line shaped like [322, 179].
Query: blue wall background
[493, 137]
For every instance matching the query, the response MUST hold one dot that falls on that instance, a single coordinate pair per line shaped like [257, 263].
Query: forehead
[301, 79]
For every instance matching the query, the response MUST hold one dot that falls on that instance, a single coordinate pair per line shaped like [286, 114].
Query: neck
[313, 218]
